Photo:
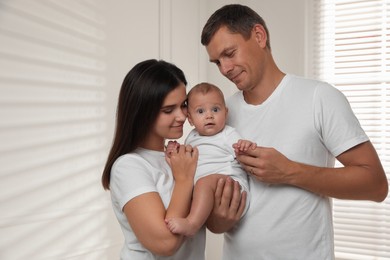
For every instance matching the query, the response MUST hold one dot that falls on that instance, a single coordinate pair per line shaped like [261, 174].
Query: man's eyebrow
[223, 53]
[216, 59]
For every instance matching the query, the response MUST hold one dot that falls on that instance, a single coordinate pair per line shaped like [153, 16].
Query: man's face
[238, 59]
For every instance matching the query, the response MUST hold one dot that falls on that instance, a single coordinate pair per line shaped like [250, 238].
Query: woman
[145, 189]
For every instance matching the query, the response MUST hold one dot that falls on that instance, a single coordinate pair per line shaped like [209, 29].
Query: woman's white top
[138, 173]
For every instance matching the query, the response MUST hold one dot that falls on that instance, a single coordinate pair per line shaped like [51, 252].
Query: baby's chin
[209, 131]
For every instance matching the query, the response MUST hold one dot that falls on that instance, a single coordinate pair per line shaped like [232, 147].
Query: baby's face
[207, 112]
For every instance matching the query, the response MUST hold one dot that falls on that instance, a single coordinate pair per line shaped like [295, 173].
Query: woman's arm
[146, 213]
[146, 216]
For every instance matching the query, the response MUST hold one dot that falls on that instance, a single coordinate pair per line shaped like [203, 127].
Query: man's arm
[361, 178]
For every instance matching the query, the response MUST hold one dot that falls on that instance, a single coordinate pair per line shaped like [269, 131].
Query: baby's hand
[171, 146]
[243, 146]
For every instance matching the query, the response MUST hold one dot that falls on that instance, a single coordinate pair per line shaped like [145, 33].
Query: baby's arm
[243, 145]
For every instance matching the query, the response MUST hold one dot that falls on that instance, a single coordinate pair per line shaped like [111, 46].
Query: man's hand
[229, 205]
[267, 165]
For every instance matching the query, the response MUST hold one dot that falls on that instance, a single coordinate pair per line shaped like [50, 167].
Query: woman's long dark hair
[140, 99]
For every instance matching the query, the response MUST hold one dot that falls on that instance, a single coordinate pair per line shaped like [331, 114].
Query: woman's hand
[183, 162]
[171, 147]
[183, 165]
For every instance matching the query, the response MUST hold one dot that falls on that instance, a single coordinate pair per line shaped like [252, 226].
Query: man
[300, 126]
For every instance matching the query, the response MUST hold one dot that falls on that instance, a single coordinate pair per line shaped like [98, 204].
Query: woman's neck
[153, 145]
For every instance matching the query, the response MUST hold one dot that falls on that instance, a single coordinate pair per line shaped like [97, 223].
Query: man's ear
[260, 35]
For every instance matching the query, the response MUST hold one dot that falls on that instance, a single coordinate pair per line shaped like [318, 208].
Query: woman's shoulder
[133, 160]
[142, 159]
[129, 158]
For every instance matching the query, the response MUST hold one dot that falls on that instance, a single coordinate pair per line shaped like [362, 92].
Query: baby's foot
[181, 226]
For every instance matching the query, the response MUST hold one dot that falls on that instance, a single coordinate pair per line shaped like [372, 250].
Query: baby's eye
[216, 109]
[200, 111]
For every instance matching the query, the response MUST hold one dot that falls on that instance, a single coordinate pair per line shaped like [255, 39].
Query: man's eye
[230, 54]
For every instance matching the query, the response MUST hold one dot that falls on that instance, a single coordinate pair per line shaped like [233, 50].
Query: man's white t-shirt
[141, 172]
[309, 122]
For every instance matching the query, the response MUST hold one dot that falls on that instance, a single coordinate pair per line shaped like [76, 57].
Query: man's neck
[264, 89]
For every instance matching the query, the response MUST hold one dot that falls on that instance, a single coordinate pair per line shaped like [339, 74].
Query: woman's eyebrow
[168, 106]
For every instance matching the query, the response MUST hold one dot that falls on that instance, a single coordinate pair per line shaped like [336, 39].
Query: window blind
[53, 131]
[350, 49]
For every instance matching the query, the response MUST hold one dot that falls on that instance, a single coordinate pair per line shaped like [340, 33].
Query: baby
[216, 143]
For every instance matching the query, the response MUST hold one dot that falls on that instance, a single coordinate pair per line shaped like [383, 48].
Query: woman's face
[170, 121]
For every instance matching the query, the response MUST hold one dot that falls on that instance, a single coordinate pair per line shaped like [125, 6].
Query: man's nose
[225, 67]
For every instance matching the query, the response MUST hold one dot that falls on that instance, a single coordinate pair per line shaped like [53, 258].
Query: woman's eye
[167, 111]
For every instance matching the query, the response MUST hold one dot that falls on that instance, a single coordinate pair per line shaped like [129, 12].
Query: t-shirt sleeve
[131, 176]
[231, 137]
[335, 121]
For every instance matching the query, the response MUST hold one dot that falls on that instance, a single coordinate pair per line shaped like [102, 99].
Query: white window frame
[349, 47]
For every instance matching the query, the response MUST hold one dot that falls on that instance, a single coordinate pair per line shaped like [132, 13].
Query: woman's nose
[181, 115]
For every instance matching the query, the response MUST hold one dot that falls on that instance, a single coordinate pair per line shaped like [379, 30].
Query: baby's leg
[201, 207]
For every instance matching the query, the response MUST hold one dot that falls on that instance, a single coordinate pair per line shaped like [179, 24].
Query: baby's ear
[190, 119]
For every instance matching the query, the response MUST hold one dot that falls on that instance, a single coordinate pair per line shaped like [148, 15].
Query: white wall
[61, 67]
